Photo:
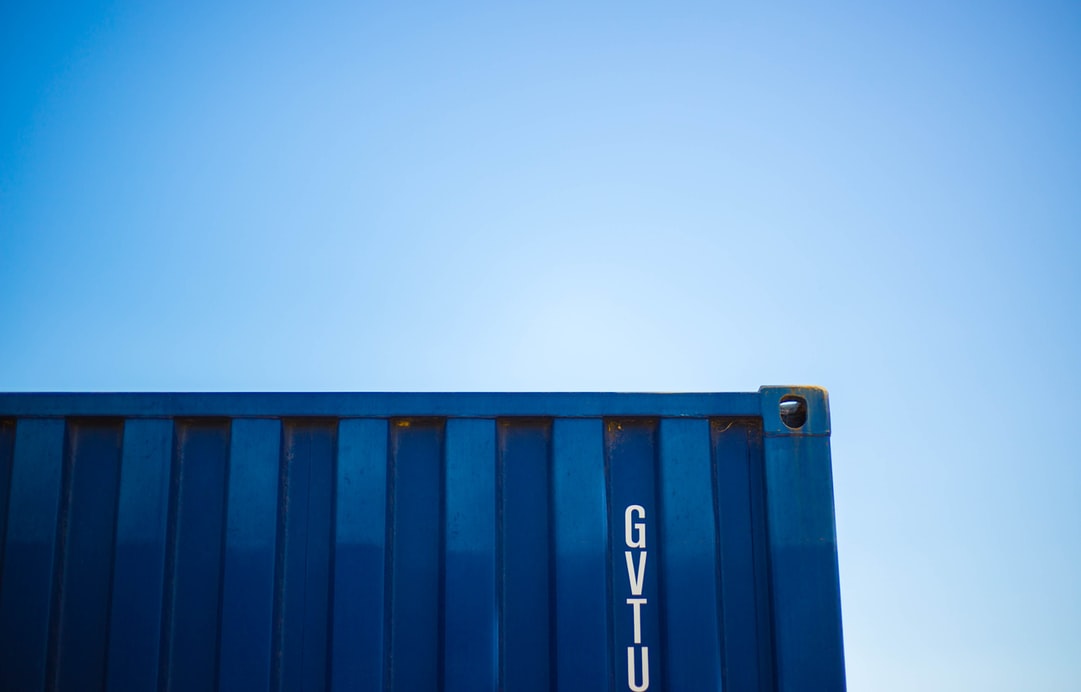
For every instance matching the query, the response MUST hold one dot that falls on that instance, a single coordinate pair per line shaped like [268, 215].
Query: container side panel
[742, 588]
[7, 456]
[580, 550]
[524, 550]
[250, 548]
[27, 582]
[193, 572]
[760, 546]
[303, 601]
[139, 564]
[470, 634]
[450, 543]
[803, 558]
[630, 449]
[359, 555]
[84, 569]
[688, 557]
[417, 485]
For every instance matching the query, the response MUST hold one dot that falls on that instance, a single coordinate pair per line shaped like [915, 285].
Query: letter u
[631, 668]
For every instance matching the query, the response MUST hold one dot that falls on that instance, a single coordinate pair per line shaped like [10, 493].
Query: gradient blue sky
[880, 198]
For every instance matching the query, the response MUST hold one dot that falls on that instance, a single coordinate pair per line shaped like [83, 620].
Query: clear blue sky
[880, 198]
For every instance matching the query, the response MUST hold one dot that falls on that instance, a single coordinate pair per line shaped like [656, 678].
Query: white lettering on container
[632, 681]
[637, 604]
[634, 531]
[636, 575]
[630, 526]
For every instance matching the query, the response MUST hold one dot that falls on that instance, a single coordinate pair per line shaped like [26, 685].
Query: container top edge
[382, 404]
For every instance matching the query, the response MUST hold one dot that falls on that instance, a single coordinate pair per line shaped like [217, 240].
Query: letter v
[636, 577]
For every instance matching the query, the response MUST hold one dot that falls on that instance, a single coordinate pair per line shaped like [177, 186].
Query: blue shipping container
[412, 542]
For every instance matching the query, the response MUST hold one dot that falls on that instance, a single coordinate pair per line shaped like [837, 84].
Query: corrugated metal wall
[421, 553]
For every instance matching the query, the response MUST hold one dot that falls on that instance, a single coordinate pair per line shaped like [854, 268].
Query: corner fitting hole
[793, 411]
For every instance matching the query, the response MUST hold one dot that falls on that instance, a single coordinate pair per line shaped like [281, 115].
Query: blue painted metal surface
[456, 542]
